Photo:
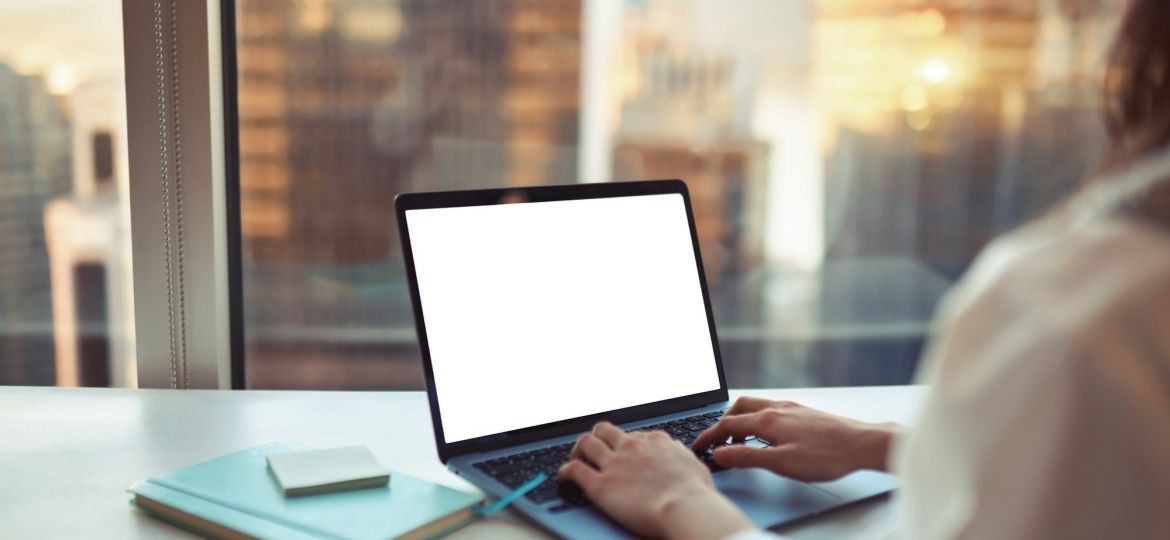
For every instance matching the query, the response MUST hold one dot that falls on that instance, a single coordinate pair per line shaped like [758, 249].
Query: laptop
[541, 311]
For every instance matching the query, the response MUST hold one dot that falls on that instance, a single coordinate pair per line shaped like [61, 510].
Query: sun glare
[936, 70]
[61, 79]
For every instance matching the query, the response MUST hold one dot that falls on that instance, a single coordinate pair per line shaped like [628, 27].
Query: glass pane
[66, 308]
[847, 158]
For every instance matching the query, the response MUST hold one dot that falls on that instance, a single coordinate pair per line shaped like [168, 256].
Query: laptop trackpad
[768, 499]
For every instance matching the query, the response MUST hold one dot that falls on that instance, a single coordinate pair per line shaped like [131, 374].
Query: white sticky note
[328, 470]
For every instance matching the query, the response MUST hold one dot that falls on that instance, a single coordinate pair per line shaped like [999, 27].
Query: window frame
[183, 320]
[231, 181]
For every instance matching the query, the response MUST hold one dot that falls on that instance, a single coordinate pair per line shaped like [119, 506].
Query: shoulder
[1050, 382]
[1072, 277]
[1050, 311]
[1049, 304]
[1108, 244]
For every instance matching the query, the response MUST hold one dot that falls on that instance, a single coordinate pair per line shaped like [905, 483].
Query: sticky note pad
[326, 471]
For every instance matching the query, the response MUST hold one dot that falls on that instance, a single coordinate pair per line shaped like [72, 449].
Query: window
[848, 158]
[66, 310]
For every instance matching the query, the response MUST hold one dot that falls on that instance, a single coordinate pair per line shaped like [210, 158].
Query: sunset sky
[69, 42]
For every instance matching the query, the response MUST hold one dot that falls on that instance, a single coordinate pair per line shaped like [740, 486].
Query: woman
[1048, 414]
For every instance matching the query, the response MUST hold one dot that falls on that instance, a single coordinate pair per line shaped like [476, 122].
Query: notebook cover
[239, 492]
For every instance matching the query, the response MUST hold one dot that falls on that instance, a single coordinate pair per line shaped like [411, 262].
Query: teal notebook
[235, 496]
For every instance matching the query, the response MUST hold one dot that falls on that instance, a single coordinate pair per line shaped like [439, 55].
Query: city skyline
[65, 316]
[813, 180]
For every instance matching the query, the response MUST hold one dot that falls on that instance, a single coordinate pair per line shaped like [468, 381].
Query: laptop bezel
[448, 199]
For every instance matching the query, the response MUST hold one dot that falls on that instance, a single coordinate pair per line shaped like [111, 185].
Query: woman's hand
[651, 484]
[807, 444]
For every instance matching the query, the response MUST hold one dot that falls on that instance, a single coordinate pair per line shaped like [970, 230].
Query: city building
[972, 130]
[344, 104]
[34, 168]
[87, 234]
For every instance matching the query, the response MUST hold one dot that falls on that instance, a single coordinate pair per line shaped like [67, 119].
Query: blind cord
[177, 109]
[176, 316]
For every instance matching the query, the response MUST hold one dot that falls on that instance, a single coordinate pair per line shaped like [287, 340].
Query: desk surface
[67, 455]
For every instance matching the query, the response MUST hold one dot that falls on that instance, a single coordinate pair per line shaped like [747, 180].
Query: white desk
[67, 455]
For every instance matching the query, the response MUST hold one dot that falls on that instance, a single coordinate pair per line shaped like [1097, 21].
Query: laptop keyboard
[516, 469]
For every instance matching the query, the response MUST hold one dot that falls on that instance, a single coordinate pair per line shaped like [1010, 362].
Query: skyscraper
[34, 167]
[344, 104]
[915, 150]
[949, 126]
[87, 234]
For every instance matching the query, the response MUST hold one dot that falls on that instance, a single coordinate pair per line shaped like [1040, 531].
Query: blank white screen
[540, 312]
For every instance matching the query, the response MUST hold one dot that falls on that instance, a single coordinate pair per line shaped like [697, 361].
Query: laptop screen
[545, 311]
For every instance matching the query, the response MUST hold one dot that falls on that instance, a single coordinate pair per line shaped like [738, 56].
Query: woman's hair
[1137, 85]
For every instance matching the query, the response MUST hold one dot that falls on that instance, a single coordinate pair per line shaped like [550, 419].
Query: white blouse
[1048, 414]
